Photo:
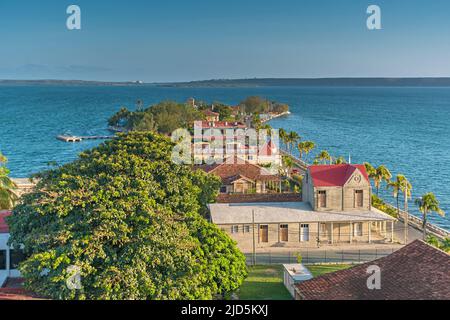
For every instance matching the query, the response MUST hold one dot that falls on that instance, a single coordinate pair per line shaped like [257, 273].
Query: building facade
[336, 210]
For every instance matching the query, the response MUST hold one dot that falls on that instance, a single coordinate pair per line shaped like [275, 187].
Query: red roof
[220, 124]
[3, 226]
[268, 149]
[418, 271]
[335, 175]
[208, 112]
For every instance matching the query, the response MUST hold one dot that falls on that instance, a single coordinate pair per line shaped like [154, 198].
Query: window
[322, 201]
[2, 259]
[234, 229]
[284, 232]
[359, 198]
[223, 189]
[246, 229]
[16, 257]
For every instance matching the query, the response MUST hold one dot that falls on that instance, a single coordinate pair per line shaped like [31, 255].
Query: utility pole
[406, 219]
[253, 228]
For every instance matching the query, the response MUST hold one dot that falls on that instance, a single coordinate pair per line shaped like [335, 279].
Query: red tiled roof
[14, 290]
[418, 271]
[268, 149]
[221, 125]
[259, 197]
[239, 167]
[208, 112]
[3, 225]
[334, 175]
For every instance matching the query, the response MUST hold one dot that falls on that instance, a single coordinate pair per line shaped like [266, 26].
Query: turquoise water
[407, 129]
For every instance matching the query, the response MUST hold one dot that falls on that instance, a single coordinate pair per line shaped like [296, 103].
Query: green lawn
[266, 282]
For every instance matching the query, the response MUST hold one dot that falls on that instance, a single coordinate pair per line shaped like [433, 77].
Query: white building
[9, 258]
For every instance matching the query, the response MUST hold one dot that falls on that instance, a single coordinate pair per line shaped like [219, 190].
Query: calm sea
[406, 129]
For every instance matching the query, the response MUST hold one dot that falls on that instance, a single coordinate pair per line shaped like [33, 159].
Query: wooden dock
[67, 138]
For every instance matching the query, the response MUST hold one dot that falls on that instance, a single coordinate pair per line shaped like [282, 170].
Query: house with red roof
[210, 115]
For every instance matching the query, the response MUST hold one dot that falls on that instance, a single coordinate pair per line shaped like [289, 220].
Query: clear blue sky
[177, 40]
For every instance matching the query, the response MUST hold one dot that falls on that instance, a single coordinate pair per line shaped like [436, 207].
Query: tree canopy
[164, 117]
[129, 220]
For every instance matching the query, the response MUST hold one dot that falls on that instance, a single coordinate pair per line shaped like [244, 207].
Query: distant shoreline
[252, 83]
[315, 82]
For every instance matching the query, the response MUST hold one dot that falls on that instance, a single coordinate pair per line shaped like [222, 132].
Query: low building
[240, 177]
[293, 274]
[9, 257]
[322, 218]
[211, 116]
[418, 271]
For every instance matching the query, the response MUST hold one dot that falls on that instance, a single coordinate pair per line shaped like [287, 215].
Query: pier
[67, 138]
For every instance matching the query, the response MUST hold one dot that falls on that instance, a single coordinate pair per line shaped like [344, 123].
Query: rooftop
[259, 197]
[418, 271]
[235, 166]
[335, 175]
[286, 212]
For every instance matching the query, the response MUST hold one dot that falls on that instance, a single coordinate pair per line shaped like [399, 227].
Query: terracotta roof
[220, 124]
[334, 175]
[259, 197]
[208, 112]
[13, 290]
[3, 225]
[268, 149]
[239, 167]
[418, 271]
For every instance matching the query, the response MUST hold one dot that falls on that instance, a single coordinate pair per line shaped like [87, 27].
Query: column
[332, 233]
[370, 231]
[392, 231]
[351, 232]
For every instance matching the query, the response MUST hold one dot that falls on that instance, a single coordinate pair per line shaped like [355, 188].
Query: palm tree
[428, 204]
[305, 147]
[381, 174]
[397, 185]
[292, 140]
[7, 196]
[371, 171]
[288, 164]
[283, 136]
[323, 157]
[339, 160]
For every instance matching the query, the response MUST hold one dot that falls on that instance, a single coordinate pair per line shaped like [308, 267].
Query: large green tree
[7, 195]
[129, 220]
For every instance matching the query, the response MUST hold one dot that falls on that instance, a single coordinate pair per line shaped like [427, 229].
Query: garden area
[265, 282]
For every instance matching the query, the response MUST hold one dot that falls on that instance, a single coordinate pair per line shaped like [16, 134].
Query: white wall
[4, 274]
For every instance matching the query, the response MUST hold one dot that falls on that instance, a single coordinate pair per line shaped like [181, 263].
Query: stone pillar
[332, 235]
[351, 232]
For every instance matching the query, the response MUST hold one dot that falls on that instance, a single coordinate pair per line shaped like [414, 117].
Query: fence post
[307, 255]
[342, 255]
[359, 255]
[325, 255]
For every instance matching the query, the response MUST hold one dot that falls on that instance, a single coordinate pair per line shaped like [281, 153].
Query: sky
[183, 40]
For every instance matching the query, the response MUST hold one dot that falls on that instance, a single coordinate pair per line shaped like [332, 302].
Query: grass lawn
[266, 282]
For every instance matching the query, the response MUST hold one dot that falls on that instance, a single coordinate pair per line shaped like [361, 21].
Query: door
[359, 194]
[304, 232]
[284, 232]
[264, 233]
